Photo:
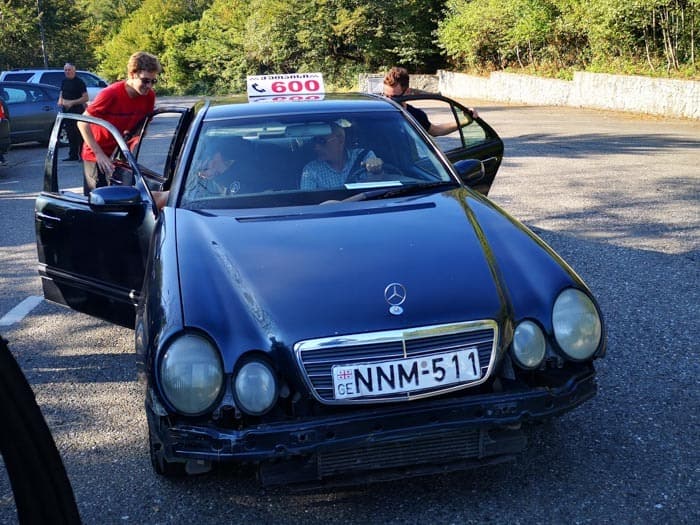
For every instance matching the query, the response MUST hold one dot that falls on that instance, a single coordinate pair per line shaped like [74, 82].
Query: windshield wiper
[384, 193]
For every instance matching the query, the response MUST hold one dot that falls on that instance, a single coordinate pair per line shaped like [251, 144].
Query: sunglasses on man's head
[147, 81]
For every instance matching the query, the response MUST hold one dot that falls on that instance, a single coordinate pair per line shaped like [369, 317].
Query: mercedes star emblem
[395, 295]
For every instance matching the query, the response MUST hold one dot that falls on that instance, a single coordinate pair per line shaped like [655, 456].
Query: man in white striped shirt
[335, 163]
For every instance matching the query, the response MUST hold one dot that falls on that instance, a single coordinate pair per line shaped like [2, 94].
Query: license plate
[405, 375]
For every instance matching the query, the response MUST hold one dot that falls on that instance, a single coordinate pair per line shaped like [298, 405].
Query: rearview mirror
[312, 129]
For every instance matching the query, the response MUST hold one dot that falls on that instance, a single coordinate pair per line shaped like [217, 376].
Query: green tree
[103, 19]
[660, 33]
[33, 29]
[144, 30]
[19, 34]
[208, 55]
[337, 37]
[604, 35]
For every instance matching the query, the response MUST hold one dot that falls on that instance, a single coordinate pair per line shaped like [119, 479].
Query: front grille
[431, 449]
[317, 357]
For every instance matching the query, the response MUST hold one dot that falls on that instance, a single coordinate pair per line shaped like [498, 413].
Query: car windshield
[307, 160]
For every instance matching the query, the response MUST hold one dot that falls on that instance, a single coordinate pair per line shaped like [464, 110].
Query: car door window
[152, 152]
[55, 78]
[156, 145]
[472, 139]
[69, 176]
[36, 94]
[439, 111]
[18, 77]
[90, 80]
[15, 95]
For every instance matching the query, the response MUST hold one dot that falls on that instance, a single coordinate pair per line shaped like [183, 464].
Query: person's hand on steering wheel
[373, 165]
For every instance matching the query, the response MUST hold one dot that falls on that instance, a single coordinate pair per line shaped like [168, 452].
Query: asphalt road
[618, 196]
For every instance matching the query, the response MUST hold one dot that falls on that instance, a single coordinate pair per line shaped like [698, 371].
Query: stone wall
[672, 98]
[654, 96]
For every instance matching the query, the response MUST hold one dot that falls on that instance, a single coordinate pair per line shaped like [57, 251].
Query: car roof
[18, 84]
[241, 106]
[43, 70]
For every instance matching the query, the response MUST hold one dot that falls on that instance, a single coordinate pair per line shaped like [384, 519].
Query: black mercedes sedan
[327, 294]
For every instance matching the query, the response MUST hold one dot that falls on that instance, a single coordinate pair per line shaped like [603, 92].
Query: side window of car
[69, 176]
[18, 77]
[55, 78]
[154, 145]
[22, 95]
[472, 132]
[90, 80]
[15, 95]
[37, 95]
[442, 113]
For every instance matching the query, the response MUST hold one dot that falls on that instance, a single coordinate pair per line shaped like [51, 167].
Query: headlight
[528, 345]
[577, 326]
[191, 374]
[255, 388]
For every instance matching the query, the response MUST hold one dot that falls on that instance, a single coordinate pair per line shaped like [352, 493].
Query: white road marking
[21, 310]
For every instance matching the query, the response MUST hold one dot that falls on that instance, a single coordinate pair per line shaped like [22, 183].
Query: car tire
[42, 490]
[162, 466]
[63, 138]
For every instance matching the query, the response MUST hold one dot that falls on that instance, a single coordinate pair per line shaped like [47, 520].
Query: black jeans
[75, 139]
[94, 177]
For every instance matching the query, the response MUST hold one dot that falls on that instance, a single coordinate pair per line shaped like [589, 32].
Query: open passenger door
[473, 138]
[92, 249]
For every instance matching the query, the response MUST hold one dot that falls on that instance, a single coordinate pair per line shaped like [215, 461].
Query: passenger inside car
[336, 164]
[213, 172]
[297, 160]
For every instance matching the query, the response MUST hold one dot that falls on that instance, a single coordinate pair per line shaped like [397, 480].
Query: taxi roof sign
[285, 85]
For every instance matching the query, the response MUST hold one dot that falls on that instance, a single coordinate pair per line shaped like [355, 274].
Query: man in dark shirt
[72, 100]
[396, 85]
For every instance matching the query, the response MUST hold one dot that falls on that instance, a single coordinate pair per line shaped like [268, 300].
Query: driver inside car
[336, 165]
[211, 175]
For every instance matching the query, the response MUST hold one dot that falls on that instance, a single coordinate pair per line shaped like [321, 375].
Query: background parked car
[32, 111]
[54, 77]
[4, 130]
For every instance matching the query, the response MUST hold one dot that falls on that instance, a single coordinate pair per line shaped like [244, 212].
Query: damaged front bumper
[434, 435]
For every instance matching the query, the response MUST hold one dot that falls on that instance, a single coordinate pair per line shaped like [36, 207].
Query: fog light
[255, 388]
[528, 345]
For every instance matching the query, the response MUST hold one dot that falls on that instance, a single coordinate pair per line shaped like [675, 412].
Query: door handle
[48, 218]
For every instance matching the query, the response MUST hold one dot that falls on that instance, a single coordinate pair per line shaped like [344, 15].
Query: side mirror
[470, 171]
[115, 198]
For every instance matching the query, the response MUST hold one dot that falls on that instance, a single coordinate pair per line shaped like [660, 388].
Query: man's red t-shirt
[114, 105]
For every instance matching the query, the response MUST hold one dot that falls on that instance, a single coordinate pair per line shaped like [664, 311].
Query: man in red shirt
[123, 104]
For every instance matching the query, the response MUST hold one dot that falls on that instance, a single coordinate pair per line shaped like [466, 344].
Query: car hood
[255, 278]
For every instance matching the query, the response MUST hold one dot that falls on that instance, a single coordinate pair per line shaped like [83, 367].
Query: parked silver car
[4, 130]
[32, 110]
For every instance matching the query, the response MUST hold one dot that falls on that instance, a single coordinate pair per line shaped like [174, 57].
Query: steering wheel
[388, 169]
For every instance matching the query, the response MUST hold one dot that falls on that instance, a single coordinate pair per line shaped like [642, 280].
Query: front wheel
[62, 141]
[63, 137]
[162, 466]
